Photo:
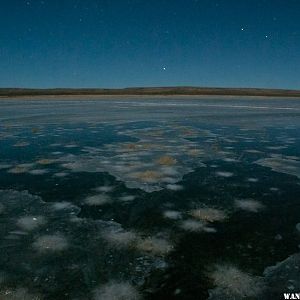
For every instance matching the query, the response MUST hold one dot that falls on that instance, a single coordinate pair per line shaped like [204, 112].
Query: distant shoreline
[156, 92]
[136, 97]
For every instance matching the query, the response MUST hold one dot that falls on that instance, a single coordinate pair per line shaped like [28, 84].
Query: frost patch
[51, 243]
[281, 164]
[29, 223]
[233, 283]
[117, 291]
[249, 205]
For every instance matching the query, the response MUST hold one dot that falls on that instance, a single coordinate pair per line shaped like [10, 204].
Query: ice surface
[148, 200]
[49, 236]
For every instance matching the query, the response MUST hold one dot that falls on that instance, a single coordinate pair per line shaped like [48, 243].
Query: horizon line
[150, 87]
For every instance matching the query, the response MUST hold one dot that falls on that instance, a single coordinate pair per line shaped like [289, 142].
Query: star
[164, 68]
[242, 29]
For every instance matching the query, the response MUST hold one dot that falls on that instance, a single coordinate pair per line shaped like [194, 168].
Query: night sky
[122, 43]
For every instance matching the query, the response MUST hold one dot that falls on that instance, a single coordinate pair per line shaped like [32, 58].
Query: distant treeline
[154, 91]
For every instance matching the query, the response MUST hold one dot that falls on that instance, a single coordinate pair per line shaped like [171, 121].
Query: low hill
[152, 91]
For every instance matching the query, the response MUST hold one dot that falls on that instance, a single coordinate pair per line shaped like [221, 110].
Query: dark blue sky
[120, 43]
